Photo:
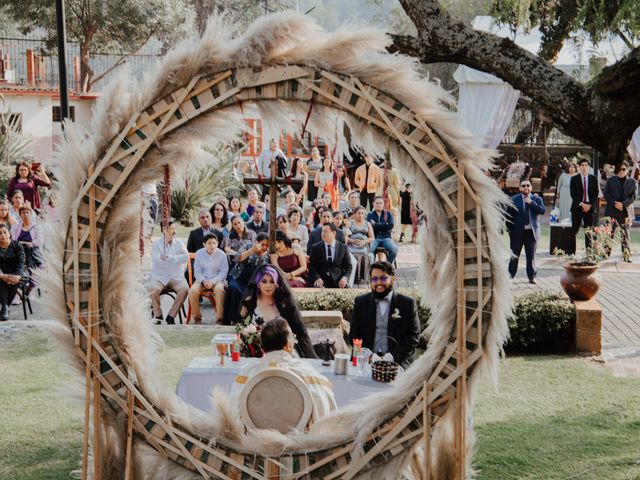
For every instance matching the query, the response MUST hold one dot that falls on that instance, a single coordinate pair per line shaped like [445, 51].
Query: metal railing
[14, 68]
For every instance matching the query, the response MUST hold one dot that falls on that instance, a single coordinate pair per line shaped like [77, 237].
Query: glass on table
[364, 356]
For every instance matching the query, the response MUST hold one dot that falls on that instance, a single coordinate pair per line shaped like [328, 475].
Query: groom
[386, 321]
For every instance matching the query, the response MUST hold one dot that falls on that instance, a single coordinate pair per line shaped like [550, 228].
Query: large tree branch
[622, 78]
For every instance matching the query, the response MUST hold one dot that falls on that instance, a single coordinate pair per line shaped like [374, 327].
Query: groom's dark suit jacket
[403, 332]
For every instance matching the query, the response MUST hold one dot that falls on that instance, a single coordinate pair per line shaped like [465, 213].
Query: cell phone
[35, 166]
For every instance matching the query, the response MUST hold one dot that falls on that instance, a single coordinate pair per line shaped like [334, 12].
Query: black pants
[529, 242]
[7, 292]
[367, 197]
[580, 218]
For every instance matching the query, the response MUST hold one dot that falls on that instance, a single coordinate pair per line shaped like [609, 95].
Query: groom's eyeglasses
[381, 279]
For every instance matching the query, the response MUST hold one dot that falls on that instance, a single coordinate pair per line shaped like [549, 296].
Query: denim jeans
[387, 243]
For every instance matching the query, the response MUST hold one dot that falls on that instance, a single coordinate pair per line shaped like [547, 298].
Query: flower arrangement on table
[248, 332]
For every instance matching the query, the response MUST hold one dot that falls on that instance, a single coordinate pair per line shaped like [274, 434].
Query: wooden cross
[273, 183]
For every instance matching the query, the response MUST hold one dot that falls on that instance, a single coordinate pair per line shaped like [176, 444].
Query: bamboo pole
[461, 328]
[128, 469]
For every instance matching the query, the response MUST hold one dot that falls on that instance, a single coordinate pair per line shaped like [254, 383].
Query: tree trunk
[86, 72]
[603, 116]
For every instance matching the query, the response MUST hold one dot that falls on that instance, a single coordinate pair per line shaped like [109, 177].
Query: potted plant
[580, 279]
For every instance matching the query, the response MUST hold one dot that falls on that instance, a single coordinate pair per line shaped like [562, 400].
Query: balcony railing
[26, 62]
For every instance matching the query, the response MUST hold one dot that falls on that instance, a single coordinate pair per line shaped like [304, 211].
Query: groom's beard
[381, 294]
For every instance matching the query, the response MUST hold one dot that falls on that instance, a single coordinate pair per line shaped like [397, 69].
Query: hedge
[542, 322]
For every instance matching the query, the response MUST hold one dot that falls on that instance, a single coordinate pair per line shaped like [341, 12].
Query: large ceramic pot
[580, 281]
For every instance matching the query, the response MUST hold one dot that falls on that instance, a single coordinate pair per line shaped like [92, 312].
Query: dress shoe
[197, 320]
[170, 320]
[157, 320]
[532, 281]
[4, 313]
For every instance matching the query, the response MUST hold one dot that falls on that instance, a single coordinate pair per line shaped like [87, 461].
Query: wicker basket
[384, 371]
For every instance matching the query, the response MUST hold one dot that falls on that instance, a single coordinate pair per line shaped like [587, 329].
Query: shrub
[542, 322]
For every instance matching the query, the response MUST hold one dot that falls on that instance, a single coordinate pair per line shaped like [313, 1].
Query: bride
[268, 296]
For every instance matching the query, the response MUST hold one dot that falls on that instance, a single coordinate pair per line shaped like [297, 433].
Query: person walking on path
[524, 228]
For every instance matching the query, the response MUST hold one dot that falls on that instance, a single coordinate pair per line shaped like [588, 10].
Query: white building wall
[36, 113]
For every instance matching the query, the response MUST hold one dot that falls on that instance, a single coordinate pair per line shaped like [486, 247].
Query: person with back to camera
[268, 296]
[278, 343]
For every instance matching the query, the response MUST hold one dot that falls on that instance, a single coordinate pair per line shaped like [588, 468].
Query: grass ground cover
[552, 417]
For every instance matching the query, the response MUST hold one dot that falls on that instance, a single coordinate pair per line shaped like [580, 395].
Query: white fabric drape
[634, 146]
[485, 105]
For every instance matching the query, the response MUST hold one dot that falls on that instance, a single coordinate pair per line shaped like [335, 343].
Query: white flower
[249, 329]
[396, 314]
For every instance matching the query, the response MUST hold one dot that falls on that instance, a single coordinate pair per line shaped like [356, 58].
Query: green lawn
[552, 417]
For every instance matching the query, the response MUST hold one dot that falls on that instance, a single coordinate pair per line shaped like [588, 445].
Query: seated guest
[245, 262]
[268, 296]
[327, 201]
[382, 222]
[295, 230]
[290, 200]
[257, 223]
[359, 234]
[210, 270]
[386, 321]
[196, 236]
[17, 201]
[338, 220]
[29, 235]
[12, 270]
[235, 208]
[168, 260]
[281, 223]
[326, 217]
[5, 217]
[278, 344]
[330, 262]
[252, 197]
[239, 238]
[219, 219]
[354, 202]
[291, 260]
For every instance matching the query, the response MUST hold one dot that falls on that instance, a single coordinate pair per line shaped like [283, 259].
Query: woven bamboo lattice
[107, 372]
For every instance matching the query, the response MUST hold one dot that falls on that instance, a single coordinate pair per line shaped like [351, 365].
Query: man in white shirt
[169, 258]
[264, 163]
[210, 270]
[278, 345]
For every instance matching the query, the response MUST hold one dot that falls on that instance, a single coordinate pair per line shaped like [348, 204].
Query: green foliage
[598, 18]
[119, 27]
[13, 145]
[203, 186]
[541, 323]
[7, 172]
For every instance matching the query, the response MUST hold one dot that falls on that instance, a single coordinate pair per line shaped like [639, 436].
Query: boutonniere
[396, 314]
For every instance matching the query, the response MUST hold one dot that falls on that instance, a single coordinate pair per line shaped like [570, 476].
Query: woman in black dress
[12, 266]
[405, 209]
[269, 296]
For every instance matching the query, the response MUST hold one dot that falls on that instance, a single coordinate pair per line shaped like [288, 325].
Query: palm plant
[204, 185]
[13, 146]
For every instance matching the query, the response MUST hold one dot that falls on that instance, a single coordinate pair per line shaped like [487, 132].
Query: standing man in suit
[386, 321]
[330, 263]
[584, 195]
[620, 192]
[524, 228]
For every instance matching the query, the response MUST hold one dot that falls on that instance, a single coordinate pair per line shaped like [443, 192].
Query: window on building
[15, 121]
[57, 117]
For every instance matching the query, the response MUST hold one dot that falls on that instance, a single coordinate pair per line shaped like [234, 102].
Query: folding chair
[172, 294]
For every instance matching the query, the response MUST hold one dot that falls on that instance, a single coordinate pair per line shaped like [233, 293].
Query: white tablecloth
[203, 373]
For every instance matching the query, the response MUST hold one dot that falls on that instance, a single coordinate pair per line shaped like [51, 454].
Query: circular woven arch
[279, 67]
